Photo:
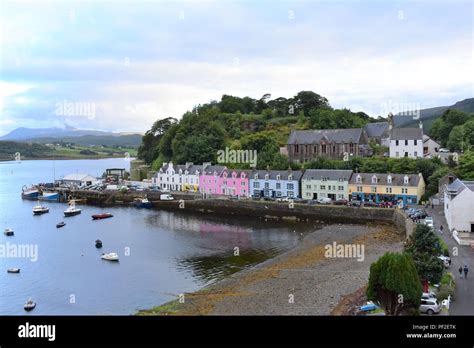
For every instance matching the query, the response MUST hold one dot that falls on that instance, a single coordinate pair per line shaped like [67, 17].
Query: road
[464, 303]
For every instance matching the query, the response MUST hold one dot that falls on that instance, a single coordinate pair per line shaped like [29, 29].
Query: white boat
[110, 257]
[39, 209]
[72, 210]
[9, 232]
[29, 305]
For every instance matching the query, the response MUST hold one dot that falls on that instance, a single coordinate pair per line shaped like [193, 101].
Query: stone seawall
[284, 211]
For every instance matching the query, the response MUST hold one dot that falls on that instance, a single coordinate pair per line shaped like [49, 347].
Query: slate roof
[376, 129]
[406, 134]
[332, 135]
[318, 174]
[211, 169]
[458, 186]
[191, 169]
[397, 179]
[272, 174]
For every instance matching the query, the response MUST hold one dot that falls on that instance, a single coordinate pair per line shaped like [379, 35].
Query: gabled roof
[272, 174]
[191, 169]
[319, 174]
[211, 169]
[330, 135]
[406, 134]
[376, 129]
[457, 186]
[397, 179]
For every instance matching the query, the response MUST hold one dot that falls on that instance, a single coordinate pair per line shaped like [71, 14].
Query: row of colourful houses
[308, 184]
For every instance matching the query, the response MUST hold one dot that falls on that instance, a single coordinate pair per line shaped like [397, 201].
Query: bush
[444, 247]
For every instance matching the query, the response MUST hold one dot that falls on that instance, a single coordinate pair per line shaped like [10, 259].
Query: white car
[445, 260]
[166, 197]
[443, 150]
[429, 221]
[324, 200]
[429, 306]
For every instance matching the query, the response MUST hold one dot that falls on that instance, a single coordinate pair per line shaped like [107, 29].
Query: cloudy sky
[120, 65]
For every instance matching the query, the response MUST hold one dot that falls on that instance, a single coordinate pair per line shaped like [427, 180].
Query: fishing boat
[142, 203]
[110, 257]
[9, 232]
[61, 224]
[101, 216]
[29, 192]
[98, 244]
[39, 210]
[13, 270]
[72, 210]
[50, 196]
[29, 305]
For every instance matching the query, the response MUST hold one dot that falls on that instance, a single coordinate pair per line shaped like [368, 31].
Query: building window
[404, 190]
[322, 187]
[290, 177]
[278, 177]
[297, 148]
[289, 186]
[308, 187]
[266, 176]
[396, 142]
[278, 186]
[323, 148]
[267, 185]
[416, 153]
[359, 188]
[388, 190]
[389, 179]
[415, 142]
[406, 142]
[406, 179]
[256, 185]
[374, 179]
[278, 194]
[373, 189]
[256, 192]
[340, 188]
[351, 148]
[290, 193]
[358, 179]
[242, 183]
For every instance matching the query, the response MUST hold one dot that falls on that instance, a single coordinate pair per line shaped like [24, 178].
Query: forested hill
[242, 123]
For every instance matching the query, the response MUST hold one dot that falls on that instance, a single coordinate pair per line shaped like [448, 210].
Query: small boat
[101, 216]
[61, 224]
[39, 209]
[98, 244]
[9, 232]
[142, 203]
[110, 257]
[13, 270]
[29, 305]
[72, 210]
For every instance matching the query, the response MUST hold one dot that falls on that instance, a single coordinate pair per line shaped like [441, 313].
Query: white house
[179, 177]
[459, 205]
[78, 180]
[430, 147]
[406, 142]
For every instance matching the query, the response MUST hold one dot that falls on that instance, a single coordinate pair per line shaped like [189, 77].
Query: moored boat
[101, 216]
[98, 244]
[60, 224]
[110, 257]
[13, 270]
[72, 210]
[39, 209]
[50, 196]
[142, 203]
[29, 305]
[9, 232]
[30, 192]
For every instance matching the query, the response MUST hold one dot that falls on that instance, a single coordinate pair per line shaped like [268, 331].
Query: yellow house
[377, 187]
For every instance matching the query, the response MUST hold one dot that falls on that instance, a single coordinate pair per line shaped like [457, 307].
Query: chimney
[205, 165]
[189, 164]
[390, 120]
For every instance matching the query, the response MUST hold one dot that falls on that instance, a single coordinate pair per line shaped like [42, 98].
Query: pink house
[218, 180]
[209, 179]
[234, 182]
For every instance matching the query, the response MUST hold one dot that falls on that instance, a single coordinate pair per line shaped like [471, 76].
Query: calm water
[162, 254]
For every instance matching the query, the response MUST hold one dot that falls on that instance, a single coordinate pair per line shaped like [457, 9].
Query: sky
[121, 65]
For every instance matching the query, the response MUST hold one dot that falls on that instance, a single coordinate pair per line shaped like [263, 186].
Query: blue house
[275, 183]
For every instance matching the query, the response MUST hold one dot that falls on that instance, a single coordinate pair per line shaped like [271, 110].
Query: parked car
[428, 295]
[354, 203]
[166, 197]
[420, 215]
[370, 204]
[429, 221]
[284, 199]
[324, 200]
[430, 306]
[443, 150]
[341, 202]
[446, 260]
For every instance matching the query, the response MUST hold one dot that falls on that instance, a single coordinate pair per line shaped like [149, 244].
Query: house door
[315, 195]
[472, 228]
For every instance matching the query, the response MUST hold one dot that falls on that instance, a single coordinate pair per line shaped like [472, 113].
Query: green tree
[307, 100]
[466, 166]
[394, 284]
[148, 151]
[424, 247]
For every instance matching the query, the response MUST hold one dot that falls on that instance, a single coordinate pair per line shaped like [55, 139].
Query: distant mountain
[73, 135]
[428, 116]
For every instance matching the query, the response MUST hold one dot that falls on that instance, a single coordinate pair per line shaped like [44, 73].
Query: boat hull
[40, 212]
[13, 270]
[71, 213]
[30, 195]
[101, 216]
[53, 197]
